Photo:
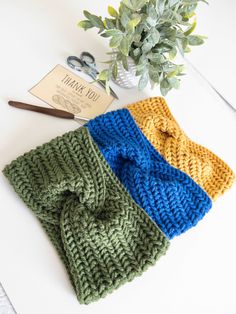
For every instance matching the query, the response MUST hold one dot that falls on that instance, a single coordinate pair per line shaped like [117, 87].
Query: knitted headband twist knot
[158, 124]
[120, 152]
[169, 196]
[168, 127]
[103, 237]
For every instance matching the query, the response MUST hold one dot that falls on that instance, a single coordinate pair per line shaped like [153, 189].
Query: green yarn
[102, 236]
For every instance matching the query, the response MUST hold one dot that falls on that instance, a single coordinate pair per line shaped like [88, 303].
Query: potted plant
[145, 37]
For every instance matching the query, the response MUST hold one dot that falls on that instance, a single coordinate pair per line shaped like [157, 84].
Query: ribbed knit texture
[169, 196]
[159, 126]
[103, 237]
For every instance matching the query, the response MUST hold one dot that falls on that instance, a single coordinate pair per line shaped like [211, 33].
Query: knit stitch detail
[103, 237]
[169, 196]
[158, 124]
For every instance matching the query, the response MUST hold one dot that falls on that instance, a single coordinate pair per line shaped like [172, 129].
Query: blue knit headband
[169, 196]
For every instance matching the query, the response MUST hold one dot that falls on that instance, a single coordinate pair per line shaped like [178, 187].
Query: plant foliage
[152, 33]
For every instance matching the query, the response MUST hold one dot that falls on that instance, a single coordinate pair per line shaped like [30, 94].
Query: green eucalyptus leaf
[174, 82]
[107, 62]
[141, 28]
[125, 62]
[115, 70]
[96, 21]
[165, 87]
[140, 71]
[112, 32]
[135, 5]
[105, 35]
[124, 19]
[188, 16]
[122, 8]
[169, 67]
[103, 75]
[151, 12]
[112, 11]
[151, 21]
[118, 24]
[172, 53]
[155, 36]
[179, 45]
[136, 52]
[87, 14]
[173, 2]
[119, 56]
[160, 6]
[147, 46]
[108, 90]
[137, 38]
[191, 7]
[181, 68]
[141, 67]
[195, 40]
[151, 15]
[115, 41]
[85, 24]
[109, 23]
[143, 81]
[177, 17]
[172, 72]
[187, 49]
[156, 57]
[182, 44]
[154, 74]
[191, 28]
[133, 23]
[128, 4]
[124, 46]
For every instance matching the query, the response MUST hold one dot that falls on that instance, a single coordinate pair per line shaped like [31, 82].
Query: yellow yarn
[159, 126]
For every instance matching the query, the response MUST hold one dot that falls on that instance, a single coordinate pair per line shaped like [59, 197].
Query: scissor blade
[103, 84]
[81, 118]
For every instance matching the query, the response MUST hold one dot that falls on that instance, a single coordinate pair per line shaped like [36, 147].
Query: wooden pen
[49, 111]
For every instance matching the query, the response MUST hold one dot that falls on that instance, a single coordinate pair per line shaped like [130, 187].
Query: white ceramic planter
[126, 79]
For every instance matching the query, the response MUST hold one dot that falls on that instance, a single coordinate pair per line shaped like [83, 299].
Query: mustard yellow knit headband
[159, 126]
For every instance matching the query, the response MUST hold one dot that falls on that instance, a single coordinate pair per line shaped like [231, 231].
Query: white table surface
[198, 274]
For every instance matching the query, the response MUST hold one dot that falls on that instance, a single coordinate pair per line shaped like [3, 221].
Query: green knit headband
[103, 237]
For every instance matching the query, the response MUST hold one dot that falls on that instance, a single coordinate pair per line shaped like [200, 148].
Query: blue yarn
[169, 196]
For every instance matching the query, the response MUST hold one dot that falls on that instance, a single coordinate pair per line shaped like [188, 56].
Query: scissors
[86, 63]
